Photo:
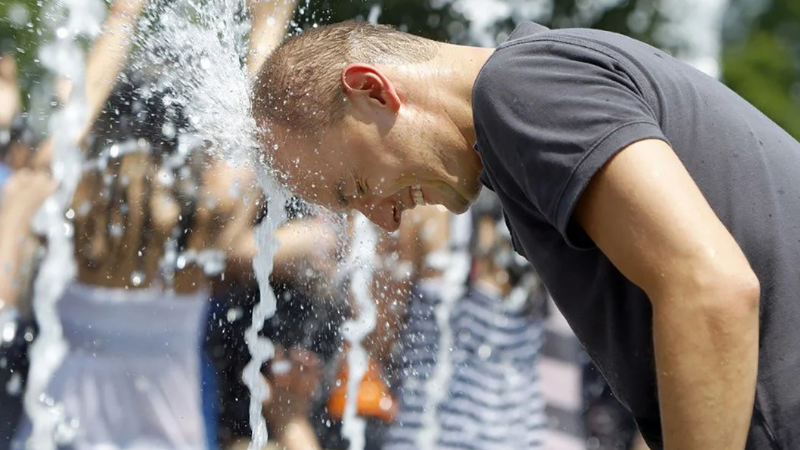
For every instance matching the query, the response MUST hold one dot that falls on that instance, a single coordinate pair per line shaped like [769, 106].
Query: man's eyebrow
[341, 199]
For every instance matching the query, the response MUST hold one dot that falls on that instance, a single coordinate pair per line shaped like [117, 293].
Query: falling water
[261, 348]
[200, 48]
[205, 42]
[365, 239]
[362, 253]
[69, 21]
[453, 289]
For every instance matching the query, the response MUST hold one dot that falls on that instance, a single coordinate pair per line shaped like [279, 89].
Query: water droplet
[14, 385]
[116, 229]
[137, 277]
[9, 331]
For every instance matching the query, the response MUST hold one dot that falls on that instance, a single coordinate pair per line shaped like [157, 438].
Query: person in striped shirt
[471, 383]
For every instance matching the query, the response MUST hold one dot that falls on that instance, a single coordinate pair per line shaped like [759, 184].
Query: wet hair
[298, 88]
[141, 116]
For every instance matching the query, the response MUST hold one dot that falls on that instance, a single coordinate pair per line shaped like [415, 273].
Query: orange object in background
[374, 398]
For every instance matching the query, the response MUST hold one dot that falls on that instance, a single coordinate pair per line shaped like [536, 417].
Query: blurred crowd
[155, 318]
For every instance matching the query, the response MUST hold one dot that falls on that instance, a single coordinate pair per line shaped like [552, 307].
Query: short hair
[298, 87]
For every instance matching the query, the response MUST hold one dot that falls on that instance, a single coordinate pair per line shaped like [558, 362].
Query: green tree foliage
[20, 37]
[445, 20]
[761, 59]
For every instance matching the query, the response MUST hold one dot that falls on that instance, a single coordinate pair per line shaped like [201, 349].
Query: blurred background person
[493, 393]
[21, 195]
[305, 330]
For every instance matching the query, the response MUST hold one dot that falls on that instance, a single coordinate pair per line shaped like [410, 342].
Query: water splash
[199, 48]
[205, 42]
[195, 50]
[69, 21]
[362, 255]
[453, 289]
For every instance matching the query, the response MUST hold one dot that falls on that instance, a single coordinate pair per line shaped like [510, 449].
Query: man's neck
[461, 65]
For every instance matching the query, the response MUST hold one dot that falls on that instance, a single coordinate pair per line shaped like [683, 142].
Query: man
[661, 210]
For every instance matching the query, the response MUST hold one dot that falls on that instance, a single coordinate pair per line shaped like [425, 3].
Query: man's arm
[644, 211]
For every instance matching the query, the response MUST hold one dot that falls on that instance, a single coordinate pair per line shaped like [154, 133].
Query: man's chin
[460, 205]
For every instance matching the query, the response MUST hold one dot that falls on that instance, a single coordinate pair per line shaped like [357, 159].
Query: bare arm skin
[9, 92]
[104, 63]
[292, 394]
[270, 19]
[646, 214]
[303, 244]
[20, 198]
[109, 54]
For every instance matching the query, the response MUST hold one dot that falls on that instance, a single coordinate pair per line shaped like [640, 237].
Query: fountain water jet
[70, 20]
[261, 348]
[355, 330]
[200, 49]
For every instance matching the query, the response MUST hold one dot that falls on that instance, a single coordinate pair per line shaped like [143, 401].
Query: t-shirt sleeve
[550, 115]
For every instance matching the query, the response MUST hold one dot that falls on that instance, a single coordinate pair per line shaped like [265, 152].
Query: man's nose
[381, 214]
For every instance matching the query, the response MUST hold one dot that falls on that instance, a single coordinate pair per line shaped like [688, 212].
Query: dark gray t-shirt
[551, 108]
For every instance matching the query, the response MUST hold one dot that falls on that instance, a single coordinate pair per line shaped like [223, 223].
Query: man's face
[381, 163]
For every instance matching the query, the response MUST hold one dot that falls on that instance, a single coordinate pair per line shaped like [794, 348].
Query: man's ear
[365, 86]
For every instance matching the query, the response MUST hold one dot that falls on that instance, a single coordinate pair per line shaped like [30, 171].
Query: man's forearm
[707, 361]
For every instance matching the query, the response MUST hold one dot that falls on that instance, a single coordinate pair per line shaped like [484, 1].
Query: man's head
[363, 116]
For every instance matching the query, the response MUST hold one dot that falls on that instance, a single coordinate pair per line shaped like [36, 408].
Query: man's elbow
[738, 292]
[724, 292]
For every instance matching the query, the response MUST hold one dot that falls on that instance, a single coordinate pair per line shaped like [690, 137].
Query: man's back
[579, 97]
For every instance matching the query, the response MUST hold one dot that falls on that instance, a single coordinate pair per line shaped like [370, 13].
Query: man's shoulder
[523, 65]
[527, 43]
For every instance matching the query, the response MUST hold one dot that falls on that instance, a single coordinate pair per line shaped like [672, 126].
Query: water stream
[261, 348]
[362, 254]
[68, 21]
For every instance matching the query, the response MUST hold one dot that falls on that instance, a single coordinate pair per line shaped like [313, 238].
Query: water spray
[69, 21]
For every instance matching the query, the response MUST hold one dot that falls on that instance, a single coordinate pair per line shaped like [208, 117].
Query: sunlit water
[261, 348]
[203, 47]
[199, 51]
[361, 263]
[66, 22]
